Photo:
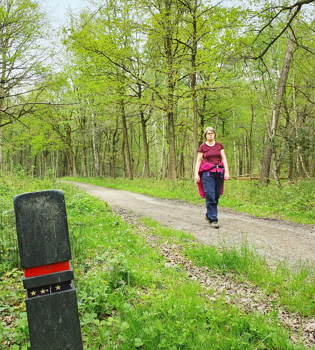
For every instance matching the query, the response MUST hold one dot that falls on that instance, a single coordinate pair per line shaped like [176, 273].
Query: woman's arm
[226, 168]
[197, 167]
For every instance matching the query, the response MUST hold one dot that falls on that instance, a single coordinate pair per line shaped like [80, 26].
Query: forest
[119, 96]
[126, 88]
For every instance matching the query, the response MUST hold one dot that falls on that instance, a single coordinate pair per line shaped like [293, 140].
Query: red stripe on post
[47, 269]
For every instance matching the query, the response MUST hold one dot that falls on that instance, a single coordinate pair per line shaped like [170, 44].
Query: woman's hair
[211, 129]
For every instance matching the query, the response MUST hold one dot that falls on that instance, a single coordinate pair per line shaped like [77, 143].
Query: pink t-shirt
[211, 154]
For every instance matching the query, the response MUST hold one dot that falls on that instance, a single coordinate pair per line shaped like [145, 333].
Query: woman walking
[210, 172]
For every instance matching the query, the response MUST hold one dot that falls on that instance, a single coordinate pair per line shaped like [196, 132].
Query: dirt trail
[274, 238]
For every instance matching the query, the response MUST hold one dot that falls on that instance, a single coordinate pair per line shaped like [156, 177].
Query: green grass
[292, 202]
[294, 289]
[128, 297]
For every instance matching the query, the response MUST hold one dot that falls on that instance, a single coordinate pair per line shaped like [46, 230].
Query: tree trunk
[250, 146]
[84, 147]
[74, 168]
[53, 162]
[245, 156]
[1, 160]
[291, 163]
[275, 170]
[1, 107]
[69, 151]
[172, 153]
[162, 151]
[304, 167]
[171, 72]
[234, 149]
[4, 49]
[288, 138]
[145, 145]
[240, 157]
[126, 149]
[181, 157]
[123, 159]
[202, 118]
[40, 165]
[193, 84]
[57, 161]
[171, 130]
[34, 172]
[114, 151]
[280, 90]
[95, 154]
[113, 156]
[155, 154]
[143, 122]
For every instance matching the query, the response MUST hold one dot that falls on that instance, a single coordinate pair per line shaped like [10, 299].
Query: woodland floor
[273, 238]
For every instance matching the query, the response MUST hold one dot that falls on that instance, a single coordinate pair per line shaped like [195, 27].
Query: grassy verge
[128, 296]
[292, 202]
[293, 290]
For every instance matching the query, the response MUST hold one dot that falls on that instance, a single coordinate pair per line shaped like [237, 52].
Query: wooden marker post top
[42, 228]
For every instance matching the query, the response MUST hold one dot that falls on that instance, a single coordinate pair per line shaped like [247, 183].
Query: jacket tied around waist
[210, 168]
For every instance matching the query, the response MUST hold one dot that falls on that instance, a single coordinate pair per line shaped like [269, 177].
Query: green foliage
[23, 52]
[152, 63]
[13, 324]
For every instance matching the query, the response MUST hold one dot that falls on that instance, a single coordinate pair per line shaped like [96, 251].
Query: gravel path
[276, 239]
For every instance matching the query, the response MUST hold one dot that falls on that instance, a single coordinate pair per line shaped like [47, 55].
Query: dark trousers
[212, 186]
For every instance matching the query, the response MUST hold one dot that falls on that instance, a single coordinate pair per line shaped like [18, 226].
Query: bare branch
[280, 34]
[297, 6]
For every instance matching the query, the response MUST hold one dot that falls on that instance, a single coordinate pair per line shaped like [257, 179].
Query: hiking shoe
[206, 218]
[214, 224]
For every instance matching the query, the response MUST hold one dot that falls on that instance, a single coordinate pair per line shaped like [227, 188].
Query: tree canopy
[140, 80]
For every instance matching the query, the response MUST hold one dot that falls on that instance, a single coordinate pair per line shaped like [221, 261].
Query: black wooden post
[51, 301]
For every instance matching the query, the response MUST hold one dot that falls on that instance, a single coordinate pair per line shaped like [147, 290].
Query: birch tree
[280, 90]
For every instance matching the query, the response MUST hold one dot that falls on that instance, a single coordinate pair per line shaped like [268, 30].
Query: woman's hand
[226, 168]
[198, 162]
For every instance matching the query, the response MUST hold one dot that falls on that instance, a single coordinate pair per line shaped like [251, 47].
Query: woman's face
[210, 135]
